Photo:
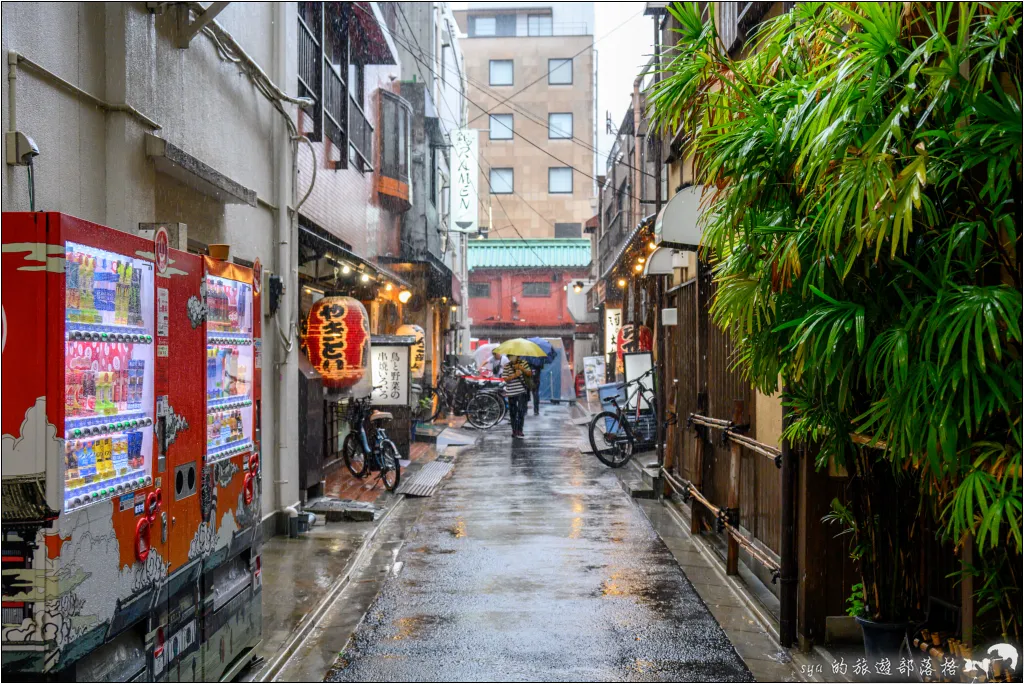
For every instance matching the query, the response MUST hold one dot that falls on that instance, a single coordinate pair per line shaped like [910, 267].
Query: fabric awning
[679, 224]
[663, 260]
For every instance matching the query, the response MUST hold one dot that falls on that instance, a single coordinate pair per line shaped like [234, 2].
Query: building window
[501, 72]
[560, 71]
[488, 27]
[502, 181]
[395, 118]
[480, 290]
[560, 126]
[560, 180]
[541, 289]
[501, 127]
[538, 24]
[483, 26]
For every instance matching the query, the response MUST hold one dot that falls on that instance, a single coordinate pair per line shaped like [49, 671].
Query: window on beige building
[501, 72]
[560, 125]
[502, 181]
[560, 71]
[560, 180]
[501, 127]
[538, 24]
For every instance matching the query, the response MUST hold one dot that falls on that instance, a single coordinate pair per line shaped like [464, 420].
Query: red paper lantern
[628, 342]
[337, 341]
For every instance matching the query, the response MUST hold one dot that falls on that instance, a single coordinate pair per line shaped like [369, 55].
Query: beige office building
[536, 148]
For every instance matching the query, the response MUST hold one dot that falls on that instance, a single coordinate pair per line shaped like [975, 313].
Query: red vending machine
[231, 586]
[109, 535]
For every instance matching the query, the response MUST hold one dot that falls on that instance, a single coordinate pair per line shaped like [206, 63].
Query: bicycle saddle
[379, 415]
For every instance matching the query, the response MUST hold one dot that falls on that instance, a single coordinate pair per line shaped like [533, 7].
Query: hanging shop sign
[630, 341]
[680, 223]
[391, 373]
[465, 175]
[612, 324]
[419, 348]
[337, 341]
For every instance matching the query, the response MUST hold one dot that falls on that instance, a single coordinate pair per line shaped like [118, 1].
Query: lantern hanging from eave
[337, 341]
[419, 349]
[627, 341]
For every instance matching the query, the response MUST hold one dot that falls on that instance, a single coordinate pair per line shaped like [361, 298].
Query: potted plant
[863, 163]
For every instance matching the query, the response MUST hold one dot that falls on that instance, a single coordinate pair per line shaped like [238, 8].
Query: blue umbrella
[545, 347]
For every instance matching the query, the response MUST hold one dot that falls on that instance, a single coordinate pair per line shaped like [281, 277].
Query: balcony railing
[309, 70]
[360, 135]
[334, 105]
[735, 21]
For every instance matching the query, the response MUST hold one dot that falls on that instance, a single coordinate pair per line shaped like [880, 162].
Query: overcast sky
[624, 40]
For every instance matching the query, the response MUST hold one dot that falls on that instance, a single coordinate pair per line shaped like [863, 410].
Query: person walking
[517, 374]
[536, 365]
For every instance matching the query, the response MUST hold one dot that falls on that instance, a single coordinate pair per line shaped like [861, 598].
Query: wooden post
[733, 553]
[967, 593]
[703, 295]
[697, 479]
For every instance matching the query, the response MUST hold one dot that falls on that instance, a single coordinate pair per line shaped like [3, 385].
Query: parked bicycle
[611, 432]
[459, 393]
[371, 450]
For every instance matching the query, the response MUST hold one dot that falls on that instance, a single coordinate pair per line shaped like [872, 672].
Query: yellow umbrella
[519, 347]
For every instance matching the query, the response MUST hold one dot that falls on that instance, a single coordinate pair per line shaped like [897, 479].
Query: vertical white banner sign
[465, 178]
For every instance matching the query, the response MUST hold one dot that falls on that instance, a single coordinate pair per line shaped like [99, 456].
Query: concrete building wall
[531, 209]
[93, 164]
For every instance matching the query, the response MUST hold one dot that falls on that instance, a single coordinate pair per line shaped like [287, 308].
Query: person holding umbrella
[519, 378]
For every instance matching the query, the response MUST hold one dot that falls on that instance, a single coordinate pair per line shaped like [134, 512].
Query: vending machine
[231, 585]
[111, 547]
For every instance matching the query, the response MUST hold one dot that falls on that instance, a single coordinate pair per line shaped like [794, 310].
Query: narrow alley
[531, 563]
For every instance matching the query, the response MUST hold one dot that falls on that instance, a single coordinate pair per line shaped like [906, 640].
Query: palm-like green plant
[864, 167]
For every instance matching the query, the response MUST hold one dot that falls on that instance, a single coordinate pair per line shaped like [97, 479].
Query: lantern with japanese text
[419, 349]
[337, 341]
[627, 341]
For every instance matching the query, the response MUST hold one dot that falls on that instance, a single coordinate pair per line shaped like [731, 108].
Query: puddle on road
[412, 627]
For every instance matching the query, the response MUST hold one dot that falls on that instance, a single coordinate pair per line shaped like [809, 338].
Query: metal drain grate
[426, 480]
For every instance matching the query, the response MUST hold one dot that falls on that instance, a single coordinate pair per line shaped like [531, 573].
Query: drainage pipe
[788, 564]
[286, 173]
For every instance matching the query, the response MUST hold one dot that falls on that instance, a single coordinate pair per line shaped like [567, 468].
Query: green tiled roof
[539, 253]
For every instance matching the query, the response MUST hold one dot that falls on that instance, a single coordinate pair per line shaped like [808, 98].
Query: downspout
[286, 171]
[659, 280]
[788, 564]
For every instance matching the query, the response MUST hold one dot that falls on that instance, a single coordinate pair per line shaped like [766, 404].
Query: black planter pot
[882, 638]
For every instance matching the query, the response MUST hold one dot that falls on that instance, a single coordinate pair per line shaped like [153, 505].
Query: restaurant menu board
[108, 375]
[230, 362]
[391, 372]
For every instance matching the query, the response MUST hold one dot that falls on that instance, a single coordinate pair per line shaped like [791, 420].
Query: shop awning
[312, 246]
[625, 246]
[679, 224]
[663, 260]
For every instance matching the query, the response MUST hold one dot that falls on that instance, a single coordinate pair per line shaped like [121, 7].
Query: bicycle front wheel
[355, 459]
[611, 439]
[431, 403]
[484, 411]
[390, 468]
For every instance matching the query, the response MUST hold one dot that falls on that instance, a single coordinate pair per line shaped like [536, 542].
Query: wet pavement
[531, 563]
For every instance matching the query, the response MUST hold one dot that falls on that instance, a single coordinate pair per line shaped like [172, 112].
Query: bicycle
[365, 452]
[479, 400]
[613, 445]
